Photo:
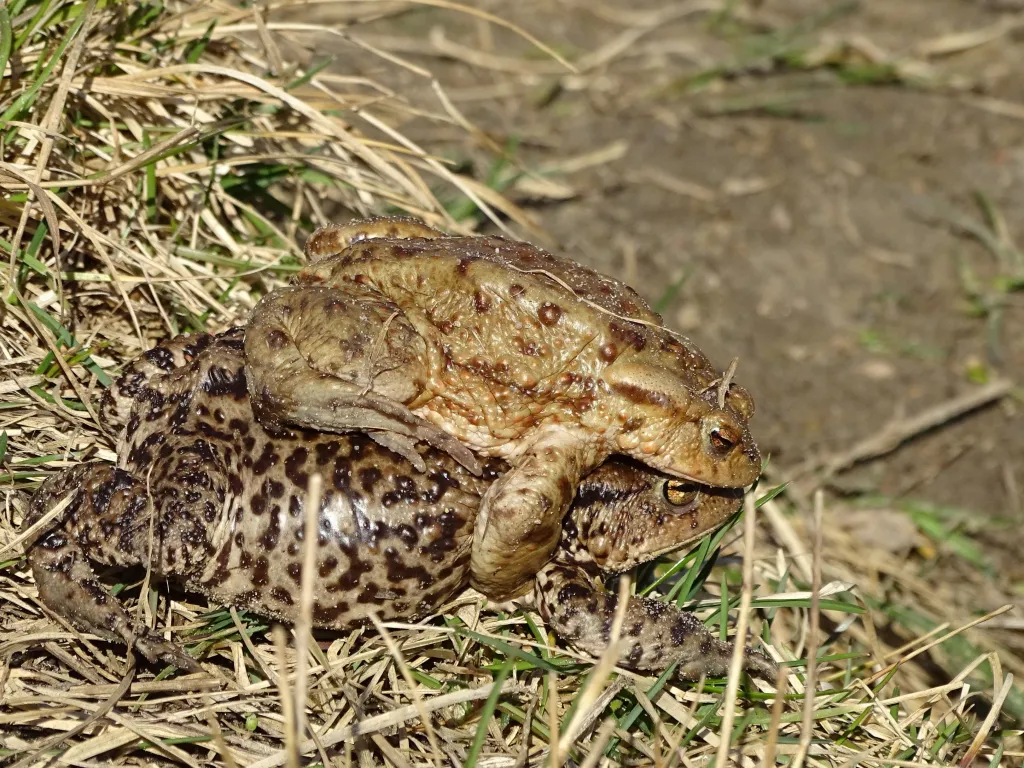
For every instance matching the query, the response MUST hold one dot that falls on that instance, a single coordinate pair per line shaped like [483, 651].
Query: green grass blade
[6, 38]
[486, 714]
[27, 97]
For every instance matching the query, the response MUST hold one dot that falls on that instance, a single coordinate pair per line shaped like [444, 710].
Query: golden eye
[680, 493]
[723, 438]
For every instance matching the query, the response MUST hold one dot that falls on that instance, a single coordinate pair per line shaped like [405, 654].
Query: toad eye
[679, 493]
[723, 438]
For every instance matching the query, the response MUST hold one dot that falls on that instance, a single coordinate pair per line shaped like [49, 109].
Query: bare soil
[809, 216]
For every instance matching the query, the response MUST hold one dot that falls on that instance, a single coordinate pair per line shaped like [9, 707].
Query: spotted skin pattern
[206, 495]
[505, 349]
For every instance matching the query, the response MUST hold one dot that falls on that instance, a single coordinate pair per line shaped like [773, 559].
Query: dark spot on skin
[260, 573]
[565, 489]
[681, 630]
[481, 301]
[348, 580]
[628, 335]
[608, 352]
[445, 326]
[258, 505]
[266, 460]
[371, 593]
[328, 615]
[478, 365]
[281, 595]
[572, 592]
[334, 307]
[445, 541]
[403, 251]
[294, 467]
[161, 357]
[642, 395]
[368, 478]
[549, 313]
[516, 290]
[635, 654]
[528, 348]
[462, 268]
[327, 567]
[272, 535]
[407, 486]
[407, 534]
[295, 572]
[440, 482]
[324, 452]
[342, 476]
[239, 426]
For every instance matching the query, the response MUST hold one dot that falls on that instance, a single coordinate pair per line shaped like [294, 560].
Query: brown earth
[809, 215]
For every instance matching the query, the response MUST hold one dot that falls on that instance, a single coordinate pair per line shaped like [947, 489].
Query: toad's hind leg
[140, 379]
[341, 359]
[654, 636]
[107, 521]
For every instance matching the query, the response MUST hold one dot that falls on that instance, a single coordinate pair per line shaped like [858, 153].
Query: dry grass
[157, 174]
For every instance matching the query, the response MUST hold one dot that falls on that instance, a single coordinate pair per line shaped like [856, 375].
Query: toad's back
[507, 310]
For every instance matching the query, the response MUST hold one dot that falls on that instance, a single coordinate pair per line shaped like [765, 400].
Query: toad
[204, 494]
[487, 347]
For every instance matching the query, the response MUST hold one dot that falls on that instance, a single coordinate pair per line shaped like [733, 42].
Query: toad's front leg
[520, 518]
[342, 359]
[107, 521]
[655, 634]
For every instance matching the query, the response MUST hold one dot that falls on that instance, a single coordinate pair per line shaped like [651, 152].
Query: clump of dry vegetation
[159, 165]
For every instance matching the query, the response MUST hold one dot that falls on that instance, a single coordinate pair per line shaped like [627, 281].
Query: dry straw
[159, 166]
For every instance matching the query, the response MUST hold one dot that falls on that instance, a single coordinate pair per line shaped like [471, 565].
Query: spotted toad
[204, 494]
[496, 346]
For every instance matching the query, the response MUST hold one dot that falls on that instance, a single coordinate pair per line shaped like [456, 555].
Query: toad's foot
[520, 517]
[60, 565]
[340, 360]
[335, 238]
[655, 635]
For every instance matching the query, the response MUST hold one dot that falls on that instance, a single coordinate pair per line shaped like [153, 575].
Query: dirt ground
[811, 216]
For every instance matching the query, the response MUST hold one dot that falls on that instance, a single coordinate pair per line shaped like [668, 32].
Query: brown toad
[400, 330]
[204, 494]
